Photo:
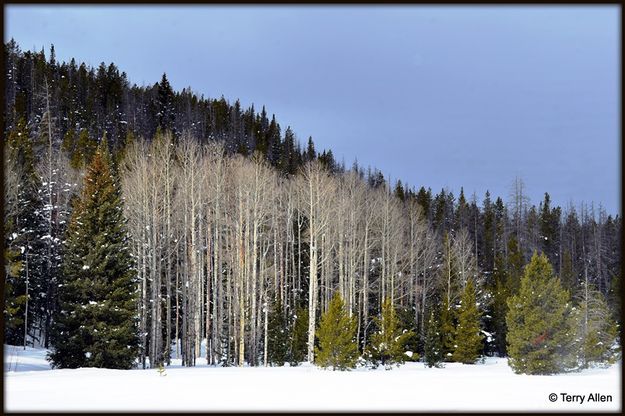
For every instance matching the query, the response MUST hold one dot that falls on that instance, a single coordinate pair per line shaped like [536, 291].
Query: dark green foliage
[326, 158]
[447, 330]
[462, 211]
[406, 318]
[25, 232]
[310, 153]
[95, 325]
[499, 306]
[540, 325]
[515, 265]
[337, 348]
[278, 336]
[399, 191]
[424, 198]
[468, 341]
[299, 336]
[614, 297]
[87, 102]
[165, 115]
[289, 157]
[567, 276]
[549, 227]
[387, 344]
[488, 239]
[79, 147]
[14, 298]
[433, 347]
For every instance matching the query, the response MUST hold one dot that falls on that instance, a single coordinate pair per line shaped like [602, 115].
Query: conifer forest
[144, 224]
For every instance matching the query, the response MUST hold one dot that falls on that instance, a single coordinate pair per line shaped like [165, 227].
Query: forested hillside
[241, 236]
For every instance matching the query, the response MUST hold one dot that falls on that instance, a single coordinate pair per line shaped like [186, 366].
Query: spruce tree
[468, 341]
[277, 336]
[337, 337]
[540, 332]
[388, 342]
[433, 347]
[299, 336]
[96, 325]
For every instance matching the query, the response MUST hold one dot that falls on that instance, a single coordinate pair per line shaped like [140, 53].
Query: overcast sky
[435, 96]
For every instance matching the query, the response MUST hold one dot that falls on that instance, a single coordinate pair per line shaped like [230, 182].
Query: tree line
[249, 248]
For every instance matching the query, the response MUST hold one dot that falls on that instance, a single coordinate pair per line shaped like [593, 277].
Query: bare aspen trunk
[241, 279]
[365, 285]
[207, 325]
[266, 309]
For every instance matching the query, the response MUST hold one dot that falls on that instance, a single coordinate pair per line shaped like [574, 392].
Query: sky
[441, 97]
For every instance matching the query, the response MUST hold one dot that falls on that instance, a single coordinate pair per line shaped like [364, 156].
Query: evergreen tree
[549, 224]
[299, 336]
[337, 337]
[96, 325]
[388, 343]
[274, 143]
[277, 336]
[25, 232]
[447, 329]
[165, 115]
[433, 347]
[614, 297]
[424, 198]
[499, 306]
[540, 332]
[399, 191]
[462, 211]
[598, 332]
[310, 153]
[568, 274]
[488, 238]
[288, 158]
[406, 321]
[514, 266]
[468, 339]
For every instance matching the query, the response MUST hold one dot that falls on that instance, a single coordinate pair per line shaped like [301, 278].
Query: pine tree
[299, 336]
[277, 336]
[337, 337]
[287, 162]
[598, 332]
[424, 198]
[567, 275]
[165, 116]
[310, 153]
[540, 332]
[468, 341]
[433, 347]
[96, 324]
[388, 343]
[25, 232]
[514, 266]
[499, 306]
[446, 329]
[488, 236]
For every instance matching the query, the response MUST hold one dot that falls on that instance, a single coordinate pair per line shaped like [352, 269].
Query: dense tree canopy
[227, 212]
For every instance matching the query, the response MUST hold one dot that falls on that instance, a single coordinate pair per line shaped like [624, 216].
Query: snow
[33, 386]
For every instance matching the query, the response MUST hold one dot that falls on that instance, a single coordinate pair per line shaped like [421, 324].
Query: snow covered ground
[30, 385]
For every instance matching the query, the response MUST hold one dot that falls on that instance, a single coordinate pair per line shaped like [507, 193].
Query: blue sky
[436, 96]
